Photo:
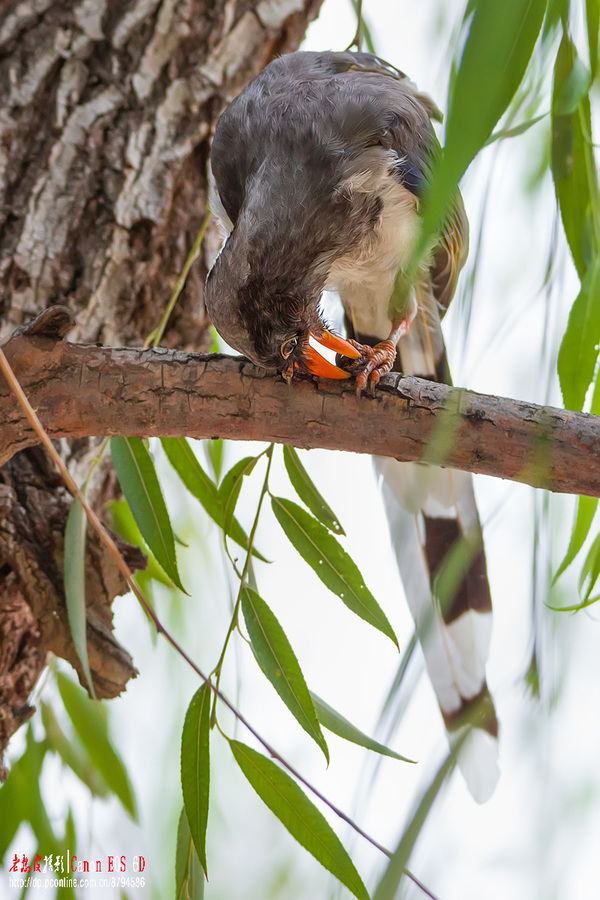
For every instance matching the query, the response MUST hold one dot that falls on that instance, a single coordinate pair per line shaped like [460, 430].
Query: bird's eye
[288, 346]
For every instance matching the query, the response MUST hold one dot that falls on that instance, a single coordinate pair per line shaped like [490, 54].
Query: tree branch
[82, 390]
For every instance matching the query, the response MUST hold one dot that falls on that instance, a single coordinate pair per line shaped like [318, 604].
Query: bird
[318, 170]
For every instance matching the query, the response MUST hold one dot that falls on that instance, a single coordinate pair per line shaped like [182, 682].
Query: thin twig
[111, 546]
[242, 575]
[363, 32]
[155, 337]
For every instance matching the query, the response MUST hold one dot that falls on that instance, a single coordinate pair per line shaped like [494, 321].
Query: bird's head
[288, 333]
[276, 326]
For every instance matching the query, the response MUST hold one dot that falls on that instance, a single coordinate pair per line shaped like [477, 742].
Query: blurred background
[538, 835]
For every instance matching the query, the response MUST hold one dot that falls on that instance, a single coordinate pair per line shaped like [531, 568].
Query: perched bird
[318, 169]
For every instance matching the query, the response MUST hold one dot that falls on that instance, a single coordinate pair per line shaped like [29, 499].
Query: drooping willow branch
[82, 390]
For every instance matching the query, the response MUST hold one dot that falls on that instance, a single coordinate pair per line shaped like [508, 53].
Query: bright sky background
[537, 838]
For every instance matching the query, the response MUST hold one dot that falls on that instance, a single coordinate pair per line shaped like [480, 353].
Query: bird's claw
[368, 380]
[373, 363]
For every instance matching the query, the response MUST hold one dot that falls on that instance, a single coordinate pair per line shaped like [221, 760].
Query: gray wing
[450, 254]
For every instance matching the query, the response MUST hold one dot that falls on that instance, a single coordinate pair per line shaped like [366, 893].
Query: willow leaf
[189, 877]
[301, 817]
[574, 178]
[307, 491]
[497, 51]
[514, 130]
[21, 796]
[579, 348]
[584, 516]
[592, 9]
[90, 725]
[336, 569]
[74, 575]
[142, 491]
[396, 868]
[499, 44]
[215, 450]
[279, 663]
[335, 722]
[185, 462]
[195, 768]
[72, 753]
[231, 486]
[126, 527]
[590, 571]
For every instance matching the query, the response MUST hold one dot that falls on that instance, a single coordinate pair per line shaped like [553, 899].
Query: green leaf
[68, 844]
[74, 575]
[215, 450]
[70, 840]
[392, 711]
[579, 348]
[189, 877]
[12, 809]
[231, 486]
[307, 491]
[27, 793]
[572, 161]
[142, 491]
[497, 50]
[584, 516]
[195, 768]
[515, 130]
[329, 560]
[595, 404]
[179, 540]
[72, 753]
[183, 459]
[20, 796]
[301, 817]
[125, 525]
[573, 90]
[554, 12]
[575, 607]
[90, 725]
[278, 662]
[396, 868]
[334, 721]
[590, 570]
[592, 9]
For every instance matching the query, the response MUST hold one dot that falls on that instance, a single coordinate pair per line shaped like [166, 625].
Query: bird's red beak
[318, 365]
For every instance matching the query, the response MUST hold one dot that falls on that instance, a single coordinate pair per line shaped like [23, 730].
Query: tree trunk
[106, 112]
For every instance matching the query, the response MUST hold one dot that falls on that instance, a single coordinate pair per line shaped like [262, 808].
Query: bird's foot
[379, 361]
[373, 362]
[370, 366]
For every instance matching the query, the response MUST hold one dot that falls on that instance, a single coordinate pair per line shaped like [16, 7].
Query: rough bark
[82, 390]
[106, 111]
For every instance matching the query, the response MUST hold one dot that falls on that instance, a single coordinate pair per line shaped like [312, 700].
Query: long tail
[439, 549]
